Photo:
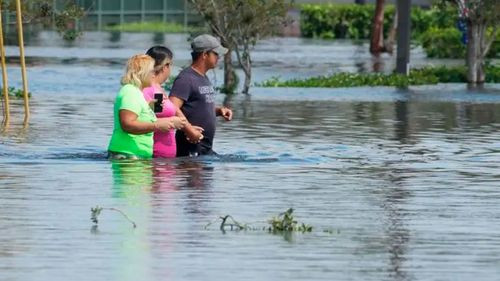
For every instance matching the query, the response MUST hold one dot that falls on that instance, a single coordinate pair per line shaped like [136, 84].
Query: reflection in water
[131, 177]
[401, 127]
[159, 38]
[412, 186]
[398, 235]
[115, 36]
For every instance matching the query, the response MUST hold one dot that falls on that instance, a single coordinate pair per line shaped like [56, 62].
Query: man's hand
[225, 112]
[193, 134]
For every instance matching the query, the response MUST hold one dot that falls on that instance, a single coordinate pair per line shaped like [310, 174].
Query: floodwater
[406, 183]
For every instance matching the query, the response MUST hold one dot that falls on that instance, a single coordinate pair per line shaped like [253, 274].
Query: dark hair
[196, 55]
[159, 54]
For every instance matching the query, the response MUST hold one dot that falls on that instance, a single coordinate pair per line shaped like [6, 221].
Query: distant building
[102, 13]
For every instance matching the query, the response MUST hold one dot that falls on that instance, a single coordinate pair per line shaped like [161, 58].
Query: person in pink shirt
[164, 142]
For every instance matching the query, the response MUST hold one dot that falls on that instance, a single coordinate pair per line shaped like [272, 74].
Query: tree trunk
[248, 71]
[245, 62]
[377, 36]
[389, 44]
[475, 48]
[229, 74]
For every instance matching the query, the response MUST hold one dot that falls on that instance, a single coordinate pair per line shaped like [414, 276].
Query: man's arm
[193, 135]
[225, 112]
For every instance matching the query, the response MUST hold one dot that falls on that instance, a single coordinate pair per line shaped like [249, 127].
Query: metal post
[6, 110]
[122, 12]
[164, 10]
[99, 15]
[143, 10]
[185, 15]
[23, 63]
[403, 37]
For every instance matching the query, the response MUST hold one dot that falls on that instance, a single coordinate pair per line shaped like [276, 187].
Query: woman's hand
[166, 124]
[178, 122]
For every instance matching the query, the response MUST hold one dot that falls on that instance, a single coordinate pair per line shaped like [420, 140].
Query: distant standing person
[194, 94]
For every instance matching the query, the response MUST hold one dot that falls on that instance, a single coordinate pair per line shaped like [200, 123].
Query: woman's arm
[130, 124]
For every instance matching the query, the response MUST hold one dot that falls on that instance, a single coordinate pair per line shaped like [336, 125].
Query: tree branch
[489, 42]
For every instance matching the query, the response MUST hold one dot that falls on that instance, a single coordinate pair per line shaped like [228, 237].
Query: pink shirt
[164, 143]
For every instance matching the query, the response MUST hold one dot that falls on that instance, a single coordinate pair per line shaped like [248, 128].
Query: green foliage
[240, 24]
[353, 21]
[446, 43]
[15, 93]
[423, 76]
[443, 43]
[156, 27]
[45, 13]
[285, 222]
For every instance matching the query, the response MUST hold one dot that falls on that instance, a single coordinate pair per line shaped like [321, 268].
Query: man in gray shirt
[194, 94]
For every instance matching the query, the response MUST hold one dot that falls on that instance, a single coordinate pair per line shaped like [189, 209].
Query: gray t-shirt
[198, 95]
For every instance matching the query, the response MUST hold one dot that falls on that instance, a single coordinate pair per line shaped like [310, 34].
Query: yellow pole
[6, 113]
[23, 63]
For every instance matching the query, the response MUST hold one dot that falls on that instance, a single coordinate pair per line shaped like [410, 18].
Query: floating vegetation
[96, 211]
[283, 223]
[286, 222]
[14, 93]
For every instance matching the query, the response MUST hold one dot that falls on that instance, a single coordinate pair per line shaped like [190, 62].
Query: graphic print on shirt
[208, 92]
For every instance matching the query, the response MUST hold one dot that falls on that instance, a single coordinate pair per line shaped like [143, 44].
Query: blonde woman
[134, 120]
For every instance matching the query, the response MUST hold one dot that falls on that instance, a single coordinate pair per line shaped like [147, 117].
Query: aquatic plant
[96, 211]
[422, 76]
[283, 223]
[14, 93]
[286, 222]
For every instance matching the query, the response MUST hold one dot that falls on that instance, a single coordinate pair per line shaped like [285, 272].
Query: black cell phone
[159, 102]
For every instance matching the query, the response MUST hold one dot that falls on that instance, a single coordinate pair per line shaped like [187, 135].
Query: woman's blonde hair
[138, 71]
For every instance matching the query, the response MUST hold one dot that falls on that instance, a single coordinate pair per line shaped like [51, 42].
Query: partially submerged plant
[283, 223]
[229, 221]
[14, 93]
[286, 222]
[96, 211]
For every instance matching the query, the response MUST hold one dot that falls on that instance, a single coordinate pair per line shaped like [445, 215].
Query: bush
[443, 43]
[423, 76]
[353, 21]
[446, 43]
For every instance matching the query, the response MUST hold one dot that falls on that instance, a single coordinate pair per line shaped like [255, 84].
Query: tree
[377, 43]
[482, 19]
[240, 24]
[44, 12]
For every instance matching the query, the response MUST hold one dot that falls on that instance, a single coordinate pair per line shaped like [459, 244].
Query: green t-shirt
[131, 98]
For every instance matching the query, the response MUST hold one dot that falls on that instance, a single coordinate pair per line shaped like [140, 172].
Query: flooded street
[405, 182]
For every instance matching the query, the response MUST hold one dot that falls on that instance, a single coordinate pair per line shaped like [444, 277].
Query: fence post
[23, 63]
[6, 110]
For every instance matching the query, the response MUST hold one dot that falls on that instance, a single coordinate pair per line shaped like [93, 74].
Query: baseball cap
[206, 42]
